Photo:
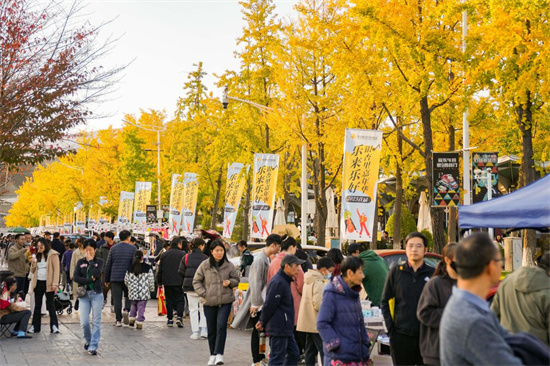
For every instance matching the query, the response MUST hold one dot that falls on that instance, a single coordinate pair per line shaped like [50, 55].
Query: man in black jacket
[58, 245]
[404, 284]
[172, 281]
[277, 315]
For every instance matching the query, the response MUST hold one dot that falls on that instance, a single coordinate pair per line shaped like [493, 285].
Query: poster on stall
[151, 211]
[125, 206]
[266, 169]
[359, 183]
[190, 195]
[80, 223]
[484, 161]
[176, 205]
[142, 199]
[236, 179]
[445, 180]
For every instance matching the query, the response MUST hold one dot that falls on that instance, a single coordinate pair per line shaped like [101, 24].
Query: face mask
[327, 276]
[453, 266]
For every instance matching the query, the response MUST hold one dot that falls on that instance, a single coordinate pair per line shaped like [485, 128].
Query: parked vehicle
[314, 253]
[396, 257]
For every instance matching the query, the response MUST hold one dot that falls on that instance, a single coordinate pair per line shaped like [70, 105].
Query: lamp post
[158, 131]
[303, 234]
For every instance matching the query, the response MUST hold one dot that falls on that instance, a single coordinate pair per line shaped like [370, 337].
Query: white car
[314, 252]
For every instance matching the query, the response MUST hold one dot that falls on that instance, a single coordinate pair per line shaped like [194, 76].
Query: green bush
[408, 225]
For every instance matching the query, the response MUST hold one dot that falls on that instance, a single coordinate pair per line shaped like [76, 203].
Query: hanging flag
[359, 183]
[236, 178]
[80, 223]
[266, 169]
[176, 205]
[67, 224]
[445, 181]
[142, 199]
[484, 161]
[125, 208]
[190, 195]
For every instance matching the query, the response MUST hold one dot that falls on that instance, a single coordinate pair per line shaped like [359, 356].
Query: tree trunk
[398, 193]
[436, 213]
[525, 123]
[319, 189]
[246, 209]
[214, 223]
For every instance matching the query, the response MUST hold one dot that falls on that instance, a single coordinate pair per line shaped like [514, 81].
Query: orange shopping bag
[161, 301]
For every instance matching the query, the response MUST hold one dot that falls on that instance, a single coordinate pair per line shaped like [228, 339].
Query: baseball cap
[291, 259]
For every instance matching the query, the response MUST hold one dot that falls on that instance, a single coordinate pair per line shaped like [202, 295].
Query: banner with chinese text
[190, 195]
[359, 184]
[236, 179]
[445, 180]
[266, 169]
[142, 199]
[176, 205]
[125, 208]
[484, 161]
[67, 224]
[103, 218]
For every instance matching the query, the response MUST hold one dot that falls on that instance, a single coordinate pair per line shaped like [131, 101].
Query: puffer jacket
[433, 300]
[119, 261]
[17, 261]
[188, 267]
[312, 296]
[208, 283]
[522, 302]
[140, 287]
[52, 271]
[341, 325]
[167, 274]
[278, 311]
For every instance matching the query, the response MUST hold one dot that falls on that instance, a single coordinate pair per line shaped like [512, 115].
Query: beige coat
[312, 296]
[52, 271]
[17, 261]
[208, 283]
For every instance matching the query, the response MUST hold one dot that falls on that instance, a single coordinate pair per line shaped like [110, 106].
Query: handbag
[81, 291]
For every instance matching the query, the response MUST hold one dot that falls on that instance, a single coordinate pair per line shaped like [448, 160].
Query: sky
[162, 40]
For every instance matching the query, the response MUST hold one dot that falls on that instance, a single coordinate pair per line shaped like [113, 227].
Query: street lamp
[158, 131]
[225, 102]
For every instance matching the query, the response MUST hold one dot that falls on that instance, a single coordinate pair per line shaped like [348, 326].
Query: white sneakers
[55, 329]
[204, 333]
[215, 360]
[195, 336]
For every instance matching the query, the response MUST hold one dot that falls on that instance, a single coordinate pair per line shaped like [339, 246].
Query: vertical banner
[151, 211]
[176, 205]
[484, 161]
[80, 223]
[359, 183]
[445, 180]
[67, 224]
[125, 208]
[142, 199]
[233, 193]
[266, 169]
[190, 195]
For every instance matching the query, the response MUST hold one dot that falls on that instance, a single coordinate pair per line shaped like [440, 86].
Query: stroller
[62, 301]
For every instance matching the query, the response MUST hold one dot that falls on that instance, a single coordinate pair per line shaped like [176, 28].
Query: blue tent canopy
[528, 207]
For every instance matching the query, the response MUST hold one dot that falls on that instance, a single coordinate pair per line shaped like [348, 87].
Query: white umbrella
[424, 217]
[280, 214]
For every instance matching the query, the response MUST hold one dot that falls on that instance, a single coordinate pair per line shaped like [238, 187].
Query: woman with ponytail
[140, 281]
[432, 302]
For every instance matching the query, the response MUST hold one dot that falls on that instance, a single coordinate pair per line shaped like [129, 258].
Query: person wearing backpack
[187, 269]
[140, 281]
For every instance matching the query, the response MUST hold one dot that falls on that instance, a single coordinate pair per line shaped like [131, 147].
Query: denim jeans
[284, 351]
[91, 302]
[216, 321]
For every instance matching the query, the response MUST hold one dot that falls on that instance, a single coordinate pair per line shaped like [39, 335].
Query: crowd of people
[432, 315]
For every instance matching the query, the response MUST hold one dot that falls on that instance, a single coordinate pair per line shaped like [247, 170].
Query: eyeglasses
[418, 246]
